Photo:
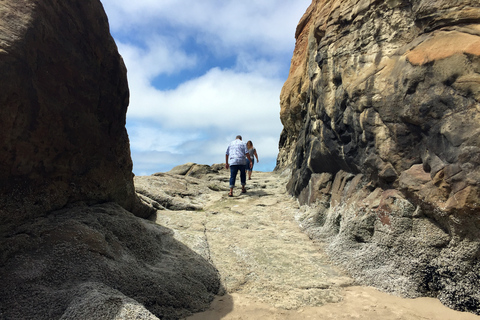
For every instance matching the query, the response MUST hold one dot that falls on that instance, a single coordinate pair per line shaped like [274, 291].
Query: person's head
[249, 144]
[239, 137]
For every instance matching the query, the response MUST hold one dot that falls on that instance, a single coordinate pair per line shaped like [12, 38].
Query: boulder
[101, 262]
[74, 244]
[191, 169]
[63, 105]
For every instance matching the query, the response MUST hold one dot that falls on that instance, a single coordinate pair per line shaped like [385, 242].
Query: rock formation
[382, 133]
[268, 267]
[64, 99]
[71, 247]
[101, 262]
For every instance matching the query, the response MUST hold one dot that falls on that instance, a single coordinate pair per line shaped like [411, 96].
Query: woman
[253, 153]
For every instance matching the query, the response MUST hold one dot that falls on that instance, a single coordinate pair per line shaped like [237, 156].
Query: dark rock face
[63, 104]
[101, 262]
[71, 247]
[383, 103]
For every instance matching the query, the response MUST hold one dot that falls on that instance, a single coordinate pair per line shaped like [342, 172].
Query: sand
[358, 303]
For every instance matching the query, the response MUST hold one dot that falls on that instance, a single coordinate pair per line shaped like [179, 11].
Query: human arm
[226, 162]
[255, 154]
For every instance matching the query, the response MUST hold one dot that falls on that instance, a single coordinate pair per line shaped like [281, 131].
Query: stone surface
[73, 245]
[382, 104]
[195, 170]
[252, 238]
[101, 262]
[268, 267]
[63, 104]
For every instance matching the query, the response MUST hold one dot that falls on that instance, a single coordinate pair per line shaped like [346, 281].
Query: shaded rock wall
[382, 103]
[63, 104]
[71, 247]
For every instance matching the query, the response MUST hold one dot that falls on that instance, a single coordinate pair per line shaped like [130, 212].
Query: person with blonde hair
[253, 154]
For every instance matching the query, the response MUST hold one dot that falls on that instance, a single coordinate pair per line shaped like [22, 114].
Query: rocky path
[269, 268]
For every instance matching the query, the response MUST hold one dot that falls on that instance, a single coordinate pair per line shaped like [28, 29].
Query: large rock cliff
[71, 246]
[381, 116]
[63, 105]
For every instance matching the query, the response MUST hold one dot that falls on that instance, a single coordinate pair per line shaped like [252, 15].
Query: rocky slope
[268, 266]
[381, 130]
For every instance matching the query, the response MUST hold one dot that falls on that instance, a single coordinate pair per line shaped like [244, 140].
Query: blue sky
[201, 72]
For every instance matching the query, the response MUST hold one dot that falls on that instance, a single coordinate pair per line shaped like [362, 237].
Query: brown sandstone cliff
[63, 104]
[70, 246]
[382, 133]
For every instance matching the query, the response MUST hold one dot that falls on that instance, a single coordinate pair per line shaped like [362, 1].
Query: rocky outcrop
[64, 99]
[381, 129]
[101, 262]
[268, 267]
[73, 245]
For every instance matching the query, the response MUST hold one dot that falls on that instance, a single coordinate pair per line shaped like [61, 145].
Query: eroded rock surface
[252, 238]
[381, 125]
[101, 262]
[270, 269]
[72, 244]
[63, 104]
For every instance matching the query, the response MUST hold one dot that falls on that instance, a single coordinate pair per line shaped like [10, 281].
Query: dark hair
[238, 137]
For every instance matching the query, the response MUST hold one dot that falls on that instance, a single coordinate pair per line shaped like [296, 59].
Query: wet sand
[358, 303]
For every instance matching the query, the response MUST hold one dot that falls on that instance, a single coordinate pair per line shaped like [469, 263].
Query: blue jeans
[233, 175]
[247, 167]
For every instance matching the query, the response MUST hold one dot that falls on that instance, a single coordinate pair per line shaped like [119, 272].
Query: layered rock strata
[381, 131]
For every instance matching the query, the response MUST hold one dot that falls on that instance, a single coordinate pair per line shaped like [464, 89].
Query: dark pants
[233, 175]
[247, 167]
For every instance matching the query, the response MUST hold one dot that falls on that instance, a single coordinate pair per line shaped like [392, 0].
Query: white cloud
[201, 72]
[220, 98]
[269, 24]
[159, 56]
[195, 122]
[149, 137]
[150, 161]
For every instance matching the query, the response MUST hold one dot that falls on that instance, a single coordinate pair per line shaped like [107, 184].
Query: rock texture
[63, 103]
[269, 268]
[73, 245]
[252, 238]
[381, 129]
[101, 262]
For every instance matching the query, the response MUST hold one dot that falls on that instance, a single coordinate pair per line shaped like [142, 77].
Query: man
[235, 160]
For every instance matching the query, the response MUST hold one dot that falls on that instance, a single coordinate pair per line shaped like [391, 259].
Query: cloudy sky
[201, 72]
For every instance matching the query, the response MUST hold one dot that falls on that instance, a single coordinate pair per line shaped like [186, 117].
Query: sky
[202, 72]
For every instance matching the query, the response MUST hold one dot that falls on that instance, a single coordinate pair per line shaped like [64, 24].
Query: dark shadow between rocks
[100, 262]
